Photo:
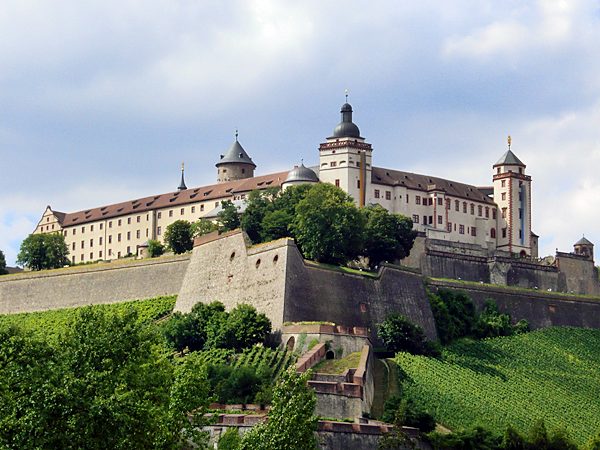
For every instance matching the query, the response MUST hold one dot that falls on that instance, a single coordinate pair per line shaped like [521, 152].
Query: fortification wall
[86, 285]
[224, 268]
[540, 309]
[579, 274]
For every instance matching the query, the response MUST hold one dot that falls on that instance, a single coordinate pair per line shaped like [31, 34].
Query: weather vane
[346, 92]
[236, 134]
[182, 166]
[509, 140]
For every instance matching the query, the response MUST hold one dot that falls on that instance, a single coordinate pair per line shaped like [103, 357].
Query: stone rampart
[91, 285]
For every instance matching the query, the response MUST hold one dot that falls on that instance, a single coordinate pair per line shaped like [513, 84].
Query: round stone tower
[235, 164]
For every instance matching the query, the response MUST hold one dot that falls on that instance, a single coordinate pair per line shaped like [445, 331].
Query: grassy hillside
[50, 324]
[551, 374]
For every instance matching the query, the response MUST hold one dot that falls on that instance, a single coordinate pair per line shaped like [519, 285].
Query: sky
[101, 101]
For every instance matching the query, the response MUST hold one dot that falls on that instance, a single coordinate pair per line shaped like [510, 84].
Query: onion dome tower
[235, 164]
[300, 175]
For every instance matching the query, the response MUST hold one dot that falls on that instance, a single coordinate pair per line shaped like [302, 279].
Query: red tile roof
[427, 183]
[172, 199]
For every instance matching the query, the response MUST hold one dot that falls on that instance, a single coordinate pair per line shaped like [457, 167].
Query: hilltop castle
[492, 218]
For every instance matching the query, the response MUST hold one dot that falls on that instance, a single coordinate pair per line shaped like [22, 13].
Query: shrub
[230, 440]
[155, 248]
[401, 411]
[400, 335]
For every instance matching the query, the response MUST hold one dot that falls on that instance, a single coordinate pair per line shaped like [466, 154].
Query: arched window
[493, 233]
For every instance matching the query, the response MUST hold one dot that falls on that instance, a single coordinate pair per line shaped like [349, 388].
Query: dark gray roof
[583, 241]
[235, 154]
[391, 177]
[509, 159]
[302, 173]
[346, 128]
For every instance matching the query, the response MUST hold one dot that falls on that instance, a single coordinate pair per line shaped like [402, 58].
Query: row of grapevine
[550, 374]
[50, 324]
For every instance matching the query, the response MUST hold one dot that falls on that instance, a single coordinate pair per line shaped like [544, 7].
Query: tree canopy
[2, 263]
[43, 251]
[229, 216]
[178, 236]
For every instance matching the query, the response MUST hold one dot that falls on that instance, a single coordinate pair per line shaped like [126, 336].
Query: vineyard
[50, 324]
[551, 374]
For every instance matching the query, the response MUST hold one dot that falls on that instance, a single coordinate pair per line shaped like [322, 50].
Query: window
[47, 219]
[128, 236]
[494, 213]
[498, 171]
[101, 225]
[376, 193]
[137, 234]
[479, 210]
[118, 254]
[147, 217]
[119, 237]
[440, 201]
[440, 220]
[171, 213]
[182, 211]
[493, 233]
[158, 215]
[110, 238]
[73, 246]
[119, 222]
[201, 207]
[418, 200]
[129, 221]
[146, 232]
[388, 195]
[504, 232]
[503, 183]
[73, 259]
[415, 218]
[337, 183]
[406, 198]
[504, 213]
[465, 207]
[193, 209]
[91, 227]
[82, 244]
[74, 230]
[520, 170]
[91, 256]
[138, 219]
[487, 212]
[100, 241]
[449, 226]
[110, 224]
[520, 234]
[158, 230]
[128, 250]
[100, 254]
[472, 209]
[520, 213]
[424, 220]
[358, 184]
[473, 231]
[456, 205]
[461, 229]
[503, 195]
[110, 252]
[83, 229]
[91, 242]
[333, 164]
[81, 259]
[430, 220]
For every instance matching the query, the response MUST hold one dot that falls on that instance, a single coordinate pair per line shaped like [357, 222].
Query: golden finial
[182, 165]
[509, 140]
[346, 92]
[236, 134]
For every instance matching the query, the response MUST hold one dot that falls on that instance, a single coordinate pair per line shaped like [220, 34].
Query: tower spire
[509, 140]
[346, 93]
[182, 186]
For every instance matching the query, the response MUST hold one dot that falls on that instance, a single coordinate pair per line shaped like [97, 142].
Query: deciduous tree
[43, 251]
[178, 236]
[228, 217]
[2, 263]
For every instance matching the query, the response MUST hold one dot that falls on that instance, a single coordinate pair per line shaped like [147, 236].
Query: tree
[400, 335]
[387, 236]
[247, 326]
[202, 227]
[258, 205]
[328, 227]
[155, 248]
[43, 251]
[3, 270]
[191, 330]
[178, 236]
[228, 217]
[291, 424]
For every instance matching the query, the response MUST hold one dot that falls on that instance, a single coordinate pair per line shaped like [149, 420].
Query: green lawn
[551, 374]
[338, 366]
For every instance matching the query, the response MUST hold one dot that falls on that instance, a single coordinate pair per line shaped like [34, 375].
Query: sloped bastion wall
[91, 285]
[274, 278]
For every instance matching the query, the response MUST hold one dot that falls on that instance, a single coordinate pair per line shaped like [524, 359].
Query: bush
[235, 385]
[230, 440]
[155, 248]
[401, 411]
[400, 335]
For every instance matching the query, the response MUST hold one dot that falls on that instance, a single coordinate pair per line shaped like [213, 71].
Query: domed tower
[345, 158]
[299, 175]
[584, 247]
[512, 194]
[235, 164]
